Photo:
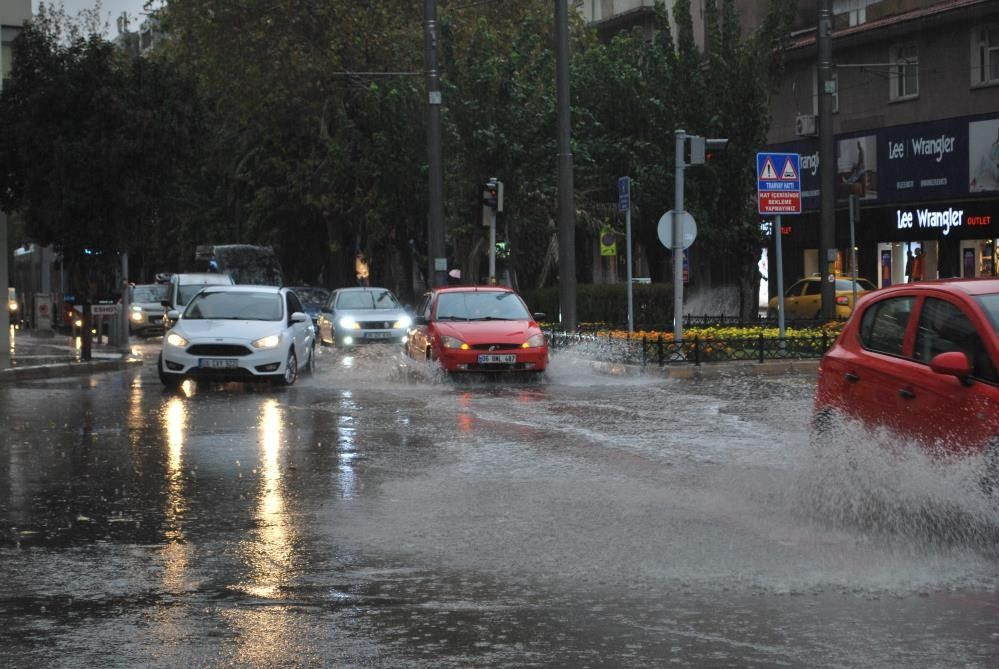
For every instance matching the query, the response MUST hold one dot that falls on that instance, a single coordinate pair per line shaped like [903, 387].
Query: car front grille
[375, 325]
[494, 347]
[218, 350]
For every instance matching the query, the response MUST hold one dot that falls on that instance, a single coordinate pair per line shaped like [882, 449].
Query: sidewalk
[47, 354]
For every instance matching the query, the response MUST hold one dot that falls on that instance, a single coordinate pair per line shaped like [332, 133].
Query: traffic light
[700, 149]
[492, 194]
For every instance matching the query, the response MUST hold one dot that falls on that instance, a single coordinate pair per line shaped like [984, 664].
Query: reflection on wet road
[378, 515]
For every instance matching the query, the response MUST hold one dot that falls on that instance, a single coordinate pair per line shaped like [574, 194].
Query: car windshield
[149, 293]
[238, 306]
[990, 305]
[846, 285]
[367, 299]
[312, 297]
[186, 291]
[481, 306]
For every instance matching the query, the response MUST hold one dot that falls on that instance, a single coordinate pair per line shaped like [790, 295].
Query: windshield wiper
[452, 318]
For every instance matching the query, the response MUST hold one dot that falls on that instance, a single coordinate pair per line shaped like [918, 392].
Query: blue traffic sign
[778, 183]
[624, 194]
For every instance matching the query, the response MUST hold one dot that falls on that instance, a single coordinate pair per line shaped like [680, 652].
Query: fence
[708, 320]
[660, 350]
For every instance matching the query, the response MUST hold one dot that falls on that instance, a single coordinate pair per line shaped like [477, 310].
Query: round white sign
[665, 229]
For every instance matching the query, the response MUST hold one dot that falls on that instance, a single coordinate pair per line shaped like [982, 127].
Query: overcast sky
[110, 10]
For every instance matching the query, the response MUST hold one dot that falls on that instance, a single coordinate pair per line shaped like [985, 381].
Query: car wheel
[990, 470]
[170, 381]
[310, 364]
[821, 429]
[290, 370]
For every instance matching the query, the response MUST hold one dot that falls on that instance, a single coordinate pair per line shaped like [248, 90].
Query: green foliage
[91, 142]
[607, 303]
[302, 125]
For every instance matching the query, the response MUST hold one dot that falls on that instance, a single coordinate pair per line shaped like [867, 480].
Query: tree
[91, 143]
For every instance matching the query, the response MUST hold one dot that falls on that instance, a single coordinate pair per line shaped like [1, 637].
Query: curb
[62, 369]
[710, 370]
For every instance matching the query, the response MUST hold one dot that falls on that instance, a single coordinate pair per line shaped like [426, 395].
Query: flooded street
[375, 515]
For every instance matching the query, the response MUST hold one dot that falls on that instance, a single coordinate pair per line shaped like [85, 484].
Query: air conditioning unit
[804, 125]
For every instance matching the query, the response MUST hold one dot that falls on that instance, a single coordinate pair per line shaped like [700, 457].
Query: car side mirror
[539, 316]
[300, 317]
[953, 363]
[173, 315]
[419, 320]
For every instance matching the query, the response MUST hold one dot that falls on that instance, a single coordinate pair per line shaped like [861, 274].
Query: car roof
[200, 276]
[242, 288]
[978, 286]
[473, 289]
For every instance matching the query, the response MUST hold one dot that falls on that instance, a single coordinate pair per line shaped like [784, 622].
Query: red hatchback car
[920, 359]
[478, 329]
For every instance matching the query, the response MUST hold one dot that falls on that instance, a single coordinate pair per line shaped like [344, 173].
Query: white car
[241, 333]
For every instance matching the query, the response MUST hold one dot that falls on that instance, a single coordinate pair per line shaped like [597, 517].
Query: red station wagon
[921, 359]
[478, 329]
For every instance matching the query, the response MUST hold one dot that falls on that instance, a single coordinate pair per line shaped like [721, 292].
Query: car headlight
[453, 342]
[270, 341]
[137, 316]
[403, 322]
[12, 305]
[136, 307]
[348, 323]
[534, 341]
[175, 339]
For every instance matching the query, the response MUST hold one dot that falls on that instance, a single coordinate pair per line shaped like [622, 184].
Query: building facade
[916, 124]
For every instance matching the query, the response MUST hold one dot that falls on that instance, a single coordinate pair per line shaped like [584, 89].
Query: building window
[904, 76]
[985, 55]
[6, 61]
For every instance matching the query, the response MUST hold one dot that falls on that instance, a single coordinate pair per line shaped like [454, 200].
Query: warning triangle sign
[769, 172]
[788, 173]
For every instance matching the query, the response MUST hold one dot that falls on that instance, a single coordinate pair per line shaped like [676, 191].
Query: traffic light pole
[566, 206]
[677, 246]
[827, 162]
[492, 247]
[437, 257]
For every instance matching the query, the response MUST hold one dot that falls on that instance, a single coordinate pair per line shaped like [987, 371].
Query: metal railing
[662, 350]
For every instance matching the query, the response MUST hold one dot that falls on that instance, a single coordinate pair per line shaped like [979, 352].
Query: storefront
[931, 187]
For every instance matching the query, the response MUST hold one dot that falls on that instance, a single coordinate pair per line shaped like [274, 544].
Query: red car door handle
[851, 377]
[905, 393]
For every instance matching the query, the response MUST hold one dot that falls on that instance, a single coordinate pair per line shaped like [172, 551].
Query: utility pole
[827, 162]
[566, 205]
[436, 256]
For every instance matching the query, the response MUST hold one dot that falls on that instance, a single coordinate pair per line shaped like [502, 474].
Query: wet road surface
[374, 515]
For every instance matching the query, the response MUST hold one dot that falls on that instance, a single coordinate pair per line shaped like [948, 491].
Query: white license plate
[507, 358]
[377, 335]
[216, 363]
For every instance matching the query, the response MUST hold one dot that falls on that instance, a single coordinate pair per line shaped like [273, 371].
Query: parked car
[920, 359]
[146, 309]
[803, 300]
[478, 329]
[354, 316]
[241, 333]
[182, 288]
[313, 299]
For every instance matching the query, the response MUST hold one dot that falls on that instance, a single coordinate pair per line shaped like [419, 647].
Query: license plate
[377, 335]
[507, 358]
[216, 363]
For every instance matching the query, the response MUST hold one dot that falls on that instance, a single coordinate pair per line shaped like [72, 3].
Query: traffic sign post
[778, 183]
[624, 204]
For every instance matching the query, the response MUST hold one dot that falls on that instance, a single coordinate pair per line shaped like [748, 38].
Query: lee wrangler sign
[778, 183]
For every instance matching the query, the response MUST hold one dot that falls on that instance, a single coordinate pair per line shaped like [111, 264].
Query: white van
[184, 286]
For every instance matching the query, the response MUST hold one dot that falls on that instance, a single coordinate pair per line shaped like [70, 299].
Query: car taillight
[842, 299]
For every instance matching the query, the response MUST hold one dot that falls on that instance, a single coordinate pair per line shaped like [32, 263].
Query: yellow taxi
[803, 300]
